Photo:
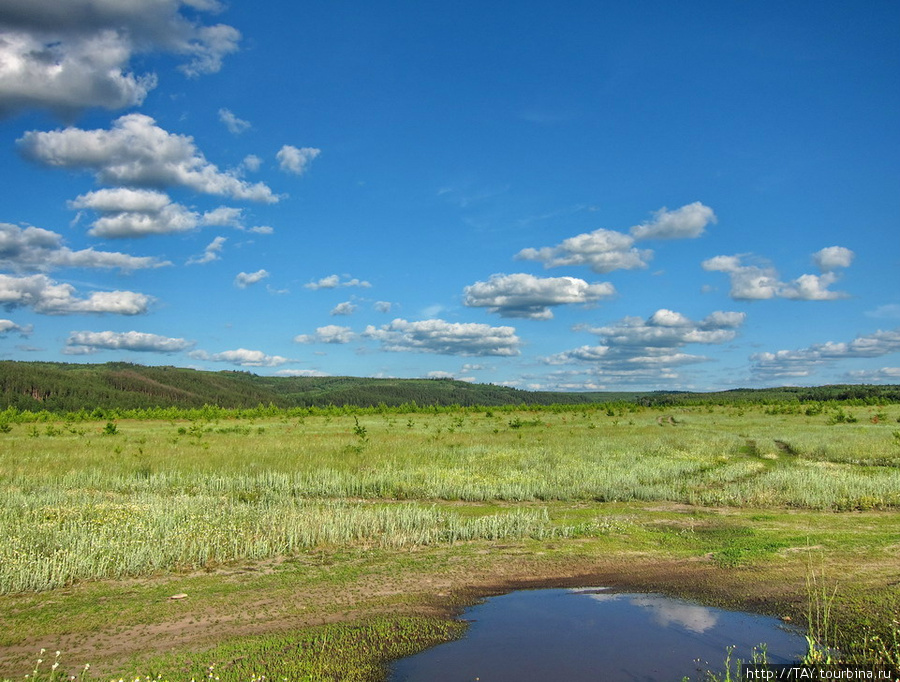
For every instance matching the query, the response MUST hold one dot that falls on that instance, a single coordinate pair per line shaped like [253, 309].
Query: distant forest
[65, 387]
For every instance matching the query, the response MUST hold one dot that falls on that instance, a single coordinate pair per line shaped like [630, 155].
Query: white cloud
[331, 333]
[261, 229]
[383, 306]
[335, 281]
[67, 56]
[242, 357]
[127, 213]
[211, 253]
[634, 350]
[7, 326]
[345, 308]
[687, 222]
[33, 249]
[812, 288]
[296, 160]
[875, 376]
[81, 343]
[761, 282]
[245, 279]
[803, 362]
[234, 124]
[833, 257]
[601, 250]
[300, 373]
[607, 250]
[447, 338]
[523, 295]
[136, 152]
[252, 163]
[46, 296]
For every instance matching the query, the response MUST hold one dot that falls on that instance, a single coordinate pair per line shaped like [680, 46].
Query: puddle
[593, 634]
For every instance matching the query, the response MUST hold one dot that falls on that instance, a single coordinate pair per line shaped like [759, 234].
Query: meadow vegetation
[739, 493]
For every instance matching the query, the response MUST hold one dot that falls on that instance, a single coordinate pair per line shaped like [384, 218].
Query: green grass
[88, 506]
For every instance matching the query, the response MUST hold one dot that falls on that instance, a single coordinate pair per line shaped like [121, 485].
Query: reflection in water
[595, 634]
[667, 611]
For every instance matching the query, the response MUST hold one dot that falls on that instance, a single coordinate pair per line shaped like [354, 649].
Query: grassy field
[320, 547]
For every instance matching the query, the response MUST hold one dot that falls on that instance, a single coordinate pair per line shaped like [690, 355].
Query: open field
[306, 540]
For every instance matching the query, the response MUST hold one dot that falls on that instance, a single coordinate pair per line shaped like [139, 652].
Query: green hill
[63, 387]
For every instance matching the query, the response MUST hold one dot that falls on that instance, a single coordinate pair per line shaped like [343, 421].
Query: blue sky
[564, 196]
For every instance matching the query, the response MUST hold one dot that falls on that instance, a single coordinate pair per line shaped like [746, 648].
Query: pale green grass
[76, 503]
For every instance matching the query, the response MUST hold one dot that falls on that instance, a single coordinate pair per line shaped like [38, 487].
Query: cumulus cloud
[523, 295]
[234, 124]
[601, 250]
[82, 343]
[805, 361]
[7, 326]
[331, 333]
[832, 258]
[32, 249]
[447, 338]
[296, 160]
[67, 56]
[687, 222]
[607, 250]
[760, 281]
[335, 281]
[136, 152]
[383, 306]
[210, 253]
[637, 350]
[245, 279]
[46, 296]
[345, 308]
[251, 163]
[242, 357]
[126, 213]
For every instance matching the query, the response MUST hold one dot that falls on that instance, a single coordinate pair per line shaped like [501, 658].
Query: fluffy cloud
[345, 308]
[7, 326]
[136, 152]
[636, 350]
[140, 212]
[383, 306]
[331, 333]
[245, 279]
[46, 296]
[447, 338]
[761, 281]
[601, 250]
[82, 343]
[607, 250]
[66, 56]
[296, 160]
[211, 253]
[523, 295]
[33, 249]
[242, 358]
[687, 222]
[803, 362]
[335, 281]
[833, 257]
[234, 124]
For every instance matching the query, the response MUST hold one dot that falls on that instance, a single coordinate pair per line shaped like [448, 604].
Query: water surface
[591, 634]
